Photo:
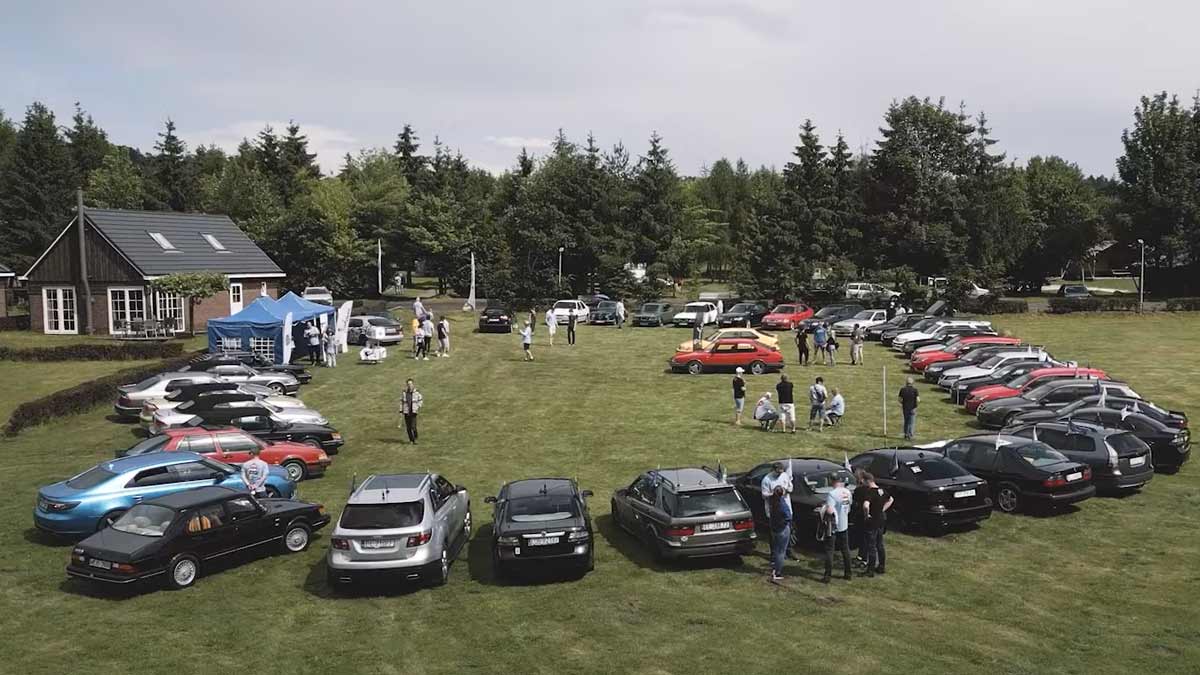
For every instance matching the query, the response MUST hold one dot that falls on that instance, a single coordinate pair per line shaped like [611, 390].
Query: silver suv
[408, 525]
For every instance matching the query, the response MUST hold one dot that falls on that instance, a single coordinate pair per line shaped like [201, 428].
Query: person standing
[443, 335]
[427, 331]
[909, 399]
[857, 337]
[410, 404]
[820, 335]
[419, 341]
[739, 395]
[527, 340]
[837, 512]
[780, 521]
[787, 404]
[532, 317]
[312, 335]
[254, 473]
[620, 314]
[551, 324]
[878, 501]
[331, 348]
[776, 478]
[572, 319]
[419, 309]
[697, 331]
[831, 344]
[802, 344]
[816, 403]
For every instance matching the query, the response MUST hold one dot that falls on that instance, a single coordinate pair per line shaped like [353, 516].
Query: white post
[1142, 277]
[885, 401]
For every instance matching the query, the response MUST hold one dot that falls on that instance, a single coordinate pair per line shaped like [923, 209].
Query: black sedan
[830, 314]
[1023, 473]
[604, 313]
[963, 387]
[495, 320]
[539, 522]
[1000, 412]
[812, 479]
[253, 359]
[652, 314]
[1171, 418]
[1169, 445]
[931, 492]
[259, 423]
[748, 314]
[1119, 460]
[974, 357]
[173, 536]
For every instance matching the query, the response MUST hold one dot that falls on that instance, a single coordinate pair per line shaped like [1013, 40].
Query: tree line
[934, 196]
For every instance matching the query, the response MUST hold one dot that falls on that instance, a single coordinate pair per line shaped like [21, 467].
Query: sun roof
[162, 241]
[214, 242]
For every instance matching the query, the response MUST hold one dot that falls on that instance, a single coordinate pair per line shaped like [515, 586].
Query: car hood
[780, 317]
[117, 546]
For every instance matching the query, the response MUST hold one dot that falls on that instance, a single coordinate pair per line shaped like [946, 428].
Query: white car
[860, 290]
[179, 416]
[864, 319]
[563, 309]
[991, 364]
[687, 316]
[934, 331]
[977, 291]
[318, 294]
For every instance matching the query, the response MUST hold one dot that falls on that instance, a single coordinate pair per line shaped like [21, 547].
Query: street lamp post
[560, 252]
[1142, 277]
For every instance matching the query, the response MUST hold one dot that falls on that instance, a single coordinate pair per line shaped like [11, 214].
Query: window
[231, 344]
[382, 516]
[148, 520]
[958, 451]
[170, 308]
[151, 477]
[58, 310]
[90, 478]
[236, 442]
[199, 444]
[125, 305]
[253, 423]
[191, 471]
[214, 242]
[704, 503]
[745, 347]
[263, 347]
[240, 508]
[163, 243]
[206, 518]
[726, 347]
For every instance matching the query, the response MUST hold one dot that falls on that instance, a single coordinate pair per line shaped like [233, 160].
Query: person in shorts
[787, 404]
[739, 395]
[527, 340]
[816, 403]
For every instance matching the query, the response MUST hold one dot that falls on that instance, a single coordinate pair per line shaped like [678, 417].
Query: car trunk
[960, 492]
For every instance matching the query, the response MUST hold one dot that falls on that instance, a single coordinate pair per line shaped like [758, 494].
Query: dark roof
[195, 497]
[807, 464]
[532, 487]
[129, 232]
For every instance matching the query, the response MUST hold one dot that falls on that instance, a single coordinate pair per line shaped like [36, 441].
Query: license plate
[102, 564]
[1137, 461]
[964, 493]
[1074, 476]
[543, 542]
[378, 543]
[723, 525]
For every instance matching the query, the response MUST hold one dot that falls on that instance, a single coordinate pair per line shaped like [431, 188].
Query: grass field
[1107, 588]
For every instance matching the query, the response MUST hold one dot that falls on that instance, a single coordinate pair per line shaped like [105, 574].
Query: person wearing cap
[777, 477]
[739, 395]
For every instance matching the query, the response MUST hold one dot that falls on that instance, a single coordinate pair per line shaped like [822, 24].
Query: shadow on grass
[316, 583]
[208, 568]
[40, 538]
[640, 554]
[479, 562]
[115, 419]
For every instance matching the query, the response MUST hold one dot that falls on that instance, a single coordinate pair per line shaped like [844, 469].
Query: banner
[343, 325]
[288, 343]
[471, 297]
[379, 264]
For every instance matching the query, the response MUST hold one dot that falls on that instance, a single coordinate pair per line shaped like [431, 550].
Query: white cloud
[517, 142]
[329, 144]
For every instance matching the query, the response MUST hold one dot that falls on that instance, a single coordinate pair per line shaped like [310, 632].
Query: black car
[259, 423]
[253, 359]
[1000, 412]
[1005, 376]
[749, 314]
[1119, 460]
[888, 336]
[1171, 418]
[812, 479]
[1022, 473]
[830, 314]
[652, 314]
[541, 521]
[1170, 446]
[495, 320]
[975, 357]
[173, 536]
[931, 492]
[604, 313]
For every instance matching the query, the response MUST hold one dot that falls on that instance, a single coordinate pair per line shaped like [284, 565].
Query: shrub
[1093, 304]
[994, 304]
[95, 352]
[85, 396]
[1183, 304]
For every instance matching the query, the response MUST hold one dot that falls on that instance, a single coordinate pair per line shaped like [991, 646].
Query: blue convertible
[97, 497]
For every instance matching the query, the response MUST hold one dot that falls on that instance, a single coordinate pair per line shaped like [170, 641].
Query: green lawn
[1109, 587]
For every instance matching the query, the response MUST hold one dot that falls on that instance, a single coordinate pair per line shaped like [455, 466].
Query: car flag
[1124, 413]
[1035, 438]
[846, 462]
[1103, 393]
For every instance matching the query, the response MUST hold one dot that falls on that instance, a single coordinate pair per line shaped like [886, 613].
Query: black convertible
[931, 491]
[259, 422]
[173, 536]
[539, 522]
[253, 359]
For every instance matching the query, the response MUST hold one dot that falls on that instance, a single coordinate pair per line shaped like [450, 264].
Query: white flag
[471, 297]
[1035, 433]
[1124, 413]
[379, 264]
[288, 343]
[846, 462]
[1103, 395]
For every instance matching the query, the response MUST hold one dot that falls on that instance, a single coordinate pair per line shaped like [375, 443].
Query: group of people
[825, 407]
[825, 344]
[322, 347]
[550, 319]
[424, 329]
[867, 505]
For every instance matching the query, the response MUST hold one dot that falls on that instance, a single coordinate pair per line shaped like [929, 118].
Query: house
[125, 251]
[7, 279]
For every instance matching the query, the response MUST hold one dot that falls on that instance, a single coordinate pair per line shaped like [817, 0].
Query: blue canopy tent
[258, 327]
[301, 309]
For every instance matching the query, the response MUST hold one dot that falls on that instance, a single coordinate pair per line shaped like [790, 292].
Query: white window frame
[214, 242]
[112, 318]
[59, 293]
[160, 307]
[231, 344]
[241, 296]
[163, 243]
[263, 346]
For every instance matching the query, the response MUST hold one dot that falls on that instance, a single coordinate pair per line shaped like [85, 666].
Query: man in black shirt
[739, 395]
[571, 319]
[802, 344]
[909, 398]
[875, 512]
[787, 405]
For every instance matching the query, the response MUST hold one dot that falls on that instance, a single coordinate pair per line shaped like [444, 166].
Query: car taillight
[420, 539]
[340, 544]
[1055, 481]
[1087, 473]
[685, 531]
[746, 524]
[124, 567]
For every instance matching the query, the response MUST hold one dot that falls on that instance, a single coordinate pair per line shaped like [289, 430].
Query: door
[235, 447]
[724, 356]
[457, 507]
[171, 309]
[235, 297]
[58, 310]
[251, 525]
[209, 531]
[125, 306]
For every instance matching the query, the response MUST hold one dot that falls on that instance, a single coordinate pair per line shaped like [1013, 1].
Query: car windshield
[147, 382]
[495, 312]
[152, 444]
[923, 324]
[651, 307]
[564, 304]
[740, 307]
[1077, 289]
[784, 309]
[828, 311]
[542, 508]
[1125, 443]
[380, 321]
[148, 520]
[606, 304]
[865, 314]
[935, 469]
[90, 478]
[705, 503]
[382, 516]
[822, 483]
[316, 290]
[992, 362]
[1040, 454]
[695, 307]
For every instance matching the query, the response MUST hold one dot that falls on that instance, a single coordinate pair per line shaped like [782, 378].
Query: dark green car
[652, 314]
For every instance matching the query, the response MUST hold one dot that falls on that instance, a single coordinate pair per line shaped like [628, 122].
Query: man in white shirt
[551, 324]
[778, 477]
[837, 407]
[620, 314]
[254, 474]
[419, 308]
[527, 340]
[312, 335]
[836, 513]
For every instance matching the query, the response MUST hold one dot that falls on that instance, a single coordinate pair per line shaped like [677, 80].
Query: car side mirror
[460, 488]
[217, 476]
[489, 500]
[587, 493]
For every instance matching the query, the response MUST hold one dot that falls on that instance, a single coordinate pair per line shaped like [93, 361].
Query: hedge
[83, 397]
[1183, 304]
[994, 304]
[1092, 304]
[134, 351]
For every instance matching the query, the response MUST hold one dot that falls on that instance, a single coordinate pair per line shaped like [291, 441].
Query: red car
[786, 317]
[1026, 382]
[957, 348]
[228, 444]
[728, 354]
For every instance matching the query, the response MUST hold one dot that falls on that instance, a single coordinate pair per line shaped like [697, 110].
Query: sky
[715, 78]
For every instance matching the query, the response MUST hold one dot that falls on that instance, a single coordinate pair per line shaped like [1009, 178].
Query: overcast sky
[714, 78]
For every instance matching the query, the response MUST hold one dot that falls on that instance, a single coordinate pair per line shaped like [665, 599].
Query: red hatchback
[1028, 381]
[231, 445]
[728, 354]
[922, 360]
[786, 317]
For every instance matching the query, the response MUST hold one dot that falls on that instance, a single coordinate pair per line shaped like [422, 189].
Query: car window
[445, 487]
[253, 423]
[191, 471]
[704, 503]
[382, 516]
[1039, 454]
[882, 465]
[982, 455]
[159, 475]
[1080, 443]
[746, 347]
[200, 445]
[1125, 443]
[724, 347]
[90, 478]
[932, 469]
[643, 489]
[205, 518]
[236, 442]
[1139, 425]
[175, 384]
[958, 451]
[758, 473]
[355, 323]
[240, 508]
[147, 520]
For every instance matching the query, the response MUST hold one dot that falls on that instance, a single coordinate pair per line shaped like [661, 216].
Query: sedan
[282, 383]
[995, 359]
[652, 314]
[182, 415]
[726, 334]
[174, 535]
[864, 319]
[931, 492]
[1029, 381]
[1000, 412]
[812, 480]
[686, 317]
[252, 359]
[960, 346]
[541, 521]
[747, 314]
[177, 397]
[1024, 474]
[381, 329]
[786, 317]
[99, 496]
[495, 320]
[829, 314]
[132, 396]
[965, 386]
[604, 313]
[233, 446]
[728, 354]
[564, 309]
[259, 422]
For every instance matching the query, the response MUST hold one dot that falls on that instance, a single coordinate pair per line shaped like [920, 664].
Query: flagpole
[885, 401]
[379, 264]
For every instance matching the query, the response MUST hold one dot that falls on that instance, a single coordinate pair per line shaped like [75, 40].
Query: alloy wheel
[184, 572]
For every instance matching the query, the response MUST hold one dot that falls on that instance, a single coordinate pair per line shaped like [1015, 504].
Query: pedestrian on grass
[787, 404]
[419, 309]
[410, 404]
[527, 340]
[831, 345]
[697, 331]
[417, 338]
[878, 501]
[836, 518]
[836, 409]
[858, 519]
[820, 335]
[909, 399]
[857, 337]
[816, 403]
[312, 336]
[739, 395]
[532, 317]
[331, 348]
[802, 344]
[780, 520]
[571, 321]
[428, 331]
[620, 314]
[765, 413]
[551, 324]
[443, 336]
[254, 473]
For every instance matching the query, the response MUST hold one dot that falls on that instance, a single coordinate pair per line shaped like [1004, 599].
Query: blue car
[95, 498]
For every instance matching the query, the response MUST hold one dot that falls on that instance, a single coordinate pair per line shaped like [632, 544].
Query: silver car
[175, 397]
[382, 329]
[409, 526]
[183, 413]
[281, 383]
[131, 397]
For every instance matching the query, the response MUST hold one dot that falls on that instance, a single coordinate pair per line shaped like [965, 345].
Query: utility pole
[84, 304]
[1142, 277]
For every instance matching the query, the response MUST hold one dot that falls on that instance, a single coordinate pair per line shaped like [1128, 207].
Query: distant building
[126, 250]
[1105, 259]
[8, 282]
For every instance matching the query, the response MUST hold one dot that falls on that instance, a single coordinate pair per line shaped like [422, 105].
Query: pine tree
[37, 188]
[657, 202]
[116, 183]
[88, 144]
[411, 163]
[171, 171]
[8, 138]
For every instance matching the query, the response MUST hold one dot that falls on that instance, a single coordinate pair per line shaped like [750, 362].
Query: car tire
[1008, 498]
[296, 470]
[272, 492]
[296, 537]
[182, 571]
[441, 569]
[695, 367]
[758, 367]
[276, 387]
[109, 518]
[312, 443]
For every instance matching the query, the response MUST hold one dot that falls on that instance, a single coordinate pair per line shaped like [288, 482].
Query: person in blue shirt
[819, 338]
[780, 520]
[836, 511]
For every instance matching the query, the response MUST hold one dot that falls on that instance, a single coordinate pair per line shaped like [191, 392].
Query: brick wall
[35, 309]
[217, 306]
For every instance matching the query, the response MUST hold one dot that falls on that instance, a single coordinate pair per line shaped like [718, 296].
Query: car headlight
[508, 541]
[581, 535]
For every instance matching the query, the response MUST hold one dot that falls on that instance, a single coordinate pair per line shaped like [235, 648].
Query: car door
[443, 526]
[208, 531]
[722, 356]
[201, 444]
[960, 452]
[455, 501]
[642, 496]
[750, 486]
[236, 446]
[252, 525]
